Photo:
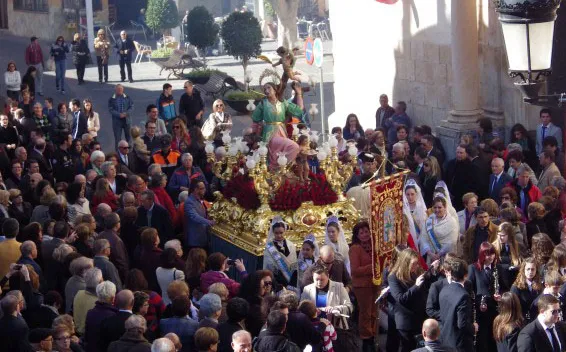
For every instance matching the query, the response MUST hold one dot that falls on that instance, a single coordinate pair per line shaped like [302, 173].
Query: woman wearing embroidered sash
[280, 255]
[269, 120]
[334, 236]
[307, 257]
[414, 208]
[441, 234]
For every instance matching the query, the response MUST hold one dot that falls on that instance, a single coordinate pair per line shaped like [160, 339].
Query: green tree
[201, 29]
[242, 36]
[161, 15]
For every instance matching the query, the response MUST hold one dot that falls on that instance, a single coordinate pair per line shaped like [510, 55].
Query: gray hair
[61, 252]
[514, 146]
[399, 147]
[80, 265]
[126, 196]
[183, 196]
[103, 209]
[327, 249]
[153, 168]
[105, 167]
[106, 291]
[100, 245]
[80, 178]
[210, 304]
[175, 244]
[521, 169]
[241, 333]
[290, 297]
[162, 345]
[135, 321]
[93, 277]
[97, 154]
[111, 220]
[186, 156]
[26, 248]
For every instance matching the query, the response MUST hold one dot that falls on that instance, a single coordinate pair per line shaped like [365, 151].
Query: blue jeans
[118, 125]
[60, 68]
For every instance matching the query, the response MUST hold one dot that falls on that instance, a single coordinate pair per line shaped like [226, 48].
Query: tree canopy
[161, 14]
[242, 36]
[202, 31]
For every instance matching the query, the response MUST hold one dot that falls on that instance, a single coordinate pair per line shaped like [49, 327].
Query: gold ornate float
[248, 228]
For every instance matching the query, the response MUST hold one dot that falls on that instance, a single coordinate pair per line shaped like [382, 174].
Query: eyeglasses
[124, 147]
[151, 128]
[556, 312]
[220, 106]
[267, 283]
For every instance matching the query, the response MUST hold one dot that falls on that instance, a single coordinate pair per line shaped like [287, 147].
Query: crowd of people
[109, 250]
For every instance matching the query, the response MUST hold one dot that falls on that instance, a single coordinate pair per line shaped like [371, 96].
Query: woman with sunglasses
[181, 138]
[254, 289]
[486, 278]
[58, 52]
[218, 122]
[13, 81]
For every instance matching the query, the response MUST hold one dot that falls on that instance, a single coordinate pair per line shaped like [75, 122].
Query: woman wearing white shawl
[442, 235]
[334, 236]
[307, 257]
[442, 190]
[280, 255]
[415, 210]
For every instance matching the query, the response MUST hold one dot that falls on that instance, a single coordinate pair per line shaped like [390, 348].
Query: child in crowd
[140, 148]
[323, 326]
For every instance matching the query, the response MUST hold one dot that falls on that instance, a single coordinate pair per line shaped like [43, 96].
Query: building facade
[445, 58]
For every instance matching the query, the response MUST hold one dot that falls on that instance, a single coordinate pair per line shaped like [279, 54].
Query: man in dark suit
[125, 47]
[458, 327]
[112, 328]
[118, 255]
[37, 153]
[480, 170]
[109, 272]
[384, 111]
[13, 329]
[498, 179]
[431, 335]
[154, 215]
[427, 142]
[196, 216]
[79, 121]
[460, 177]
[60, 233]
[127, 157]
[419, 155]
[545, 333]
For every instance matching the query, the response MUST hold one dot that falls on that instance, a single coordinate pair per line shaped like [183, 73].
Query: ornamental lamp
[528, 31]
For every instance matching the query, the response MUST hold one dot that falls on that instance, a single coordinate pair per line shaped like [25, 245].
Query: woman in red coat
[157, 185]
[103, 194]
[362, 282]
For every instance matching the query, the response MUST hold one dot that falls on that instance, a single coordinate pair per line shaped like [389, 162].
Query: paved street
[148, 84]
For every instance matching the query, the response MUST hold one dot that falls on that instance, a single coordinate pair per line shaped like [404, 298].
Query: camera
[230, 262]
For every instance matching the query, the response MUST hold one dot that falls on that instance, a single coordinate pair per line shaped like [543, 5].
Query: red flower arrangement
[242, 188]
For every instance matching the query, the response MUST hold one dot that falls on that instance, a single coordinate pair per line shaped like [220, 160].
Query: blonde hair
[215, 102]
[135, 132]
[402, 267]
[4, 197]
[509, 230]
[76, 37]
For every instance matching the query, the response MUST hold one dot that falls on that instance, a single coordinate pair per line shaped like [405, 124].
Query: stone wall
[45, 25]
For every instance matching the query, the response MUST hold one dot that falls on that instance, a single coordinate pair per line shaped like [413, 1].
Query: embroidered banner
[386, 220]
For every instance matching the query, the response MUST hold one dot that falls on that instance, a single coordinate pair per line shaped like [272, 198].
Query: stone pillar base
[450, 134]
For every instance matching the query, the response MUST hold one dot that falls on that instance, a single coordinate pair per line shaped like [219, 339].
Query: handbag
[346, 341]
[50, 64]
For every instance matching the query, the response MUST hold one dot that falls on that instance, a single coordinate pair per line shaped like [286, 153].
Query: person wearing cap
[41, 339]
[166, 157]
[125, 47]
[34, 57]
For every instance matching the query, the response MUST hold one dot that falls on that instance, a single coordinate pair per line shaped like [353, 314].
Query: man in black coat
[460, 177]
[431, 335]
[154, 215]
[191, 105]
[545, 333]
[112, 328]
[38, 154]
[78, 120]
[299, 327]
[125, 47]
[237, 310]
[456, 311]
[384, 111]
[62, 161]
[481, 170]
[13, 329]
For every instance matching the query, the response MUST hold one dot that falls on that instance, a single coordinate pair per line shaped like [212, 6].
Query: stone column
[465, 75]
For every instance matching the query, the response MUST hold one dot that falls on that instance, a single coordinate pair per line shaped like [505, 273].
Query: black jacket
[301, 331]
[460, 179]
[14, 334]
[526, 298]
[112, 328]
[78, 126]
[433, 299]
[80, 51]
[457, 317]
[160, 220]
[45, 168]
[131, 341]
[509, 343]
[388, 112]
[274, 342]
[63, 166]
[533, 338]
[122, 45]
[190, 106]
[225, 331]
[410, 304]
[41, 317]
